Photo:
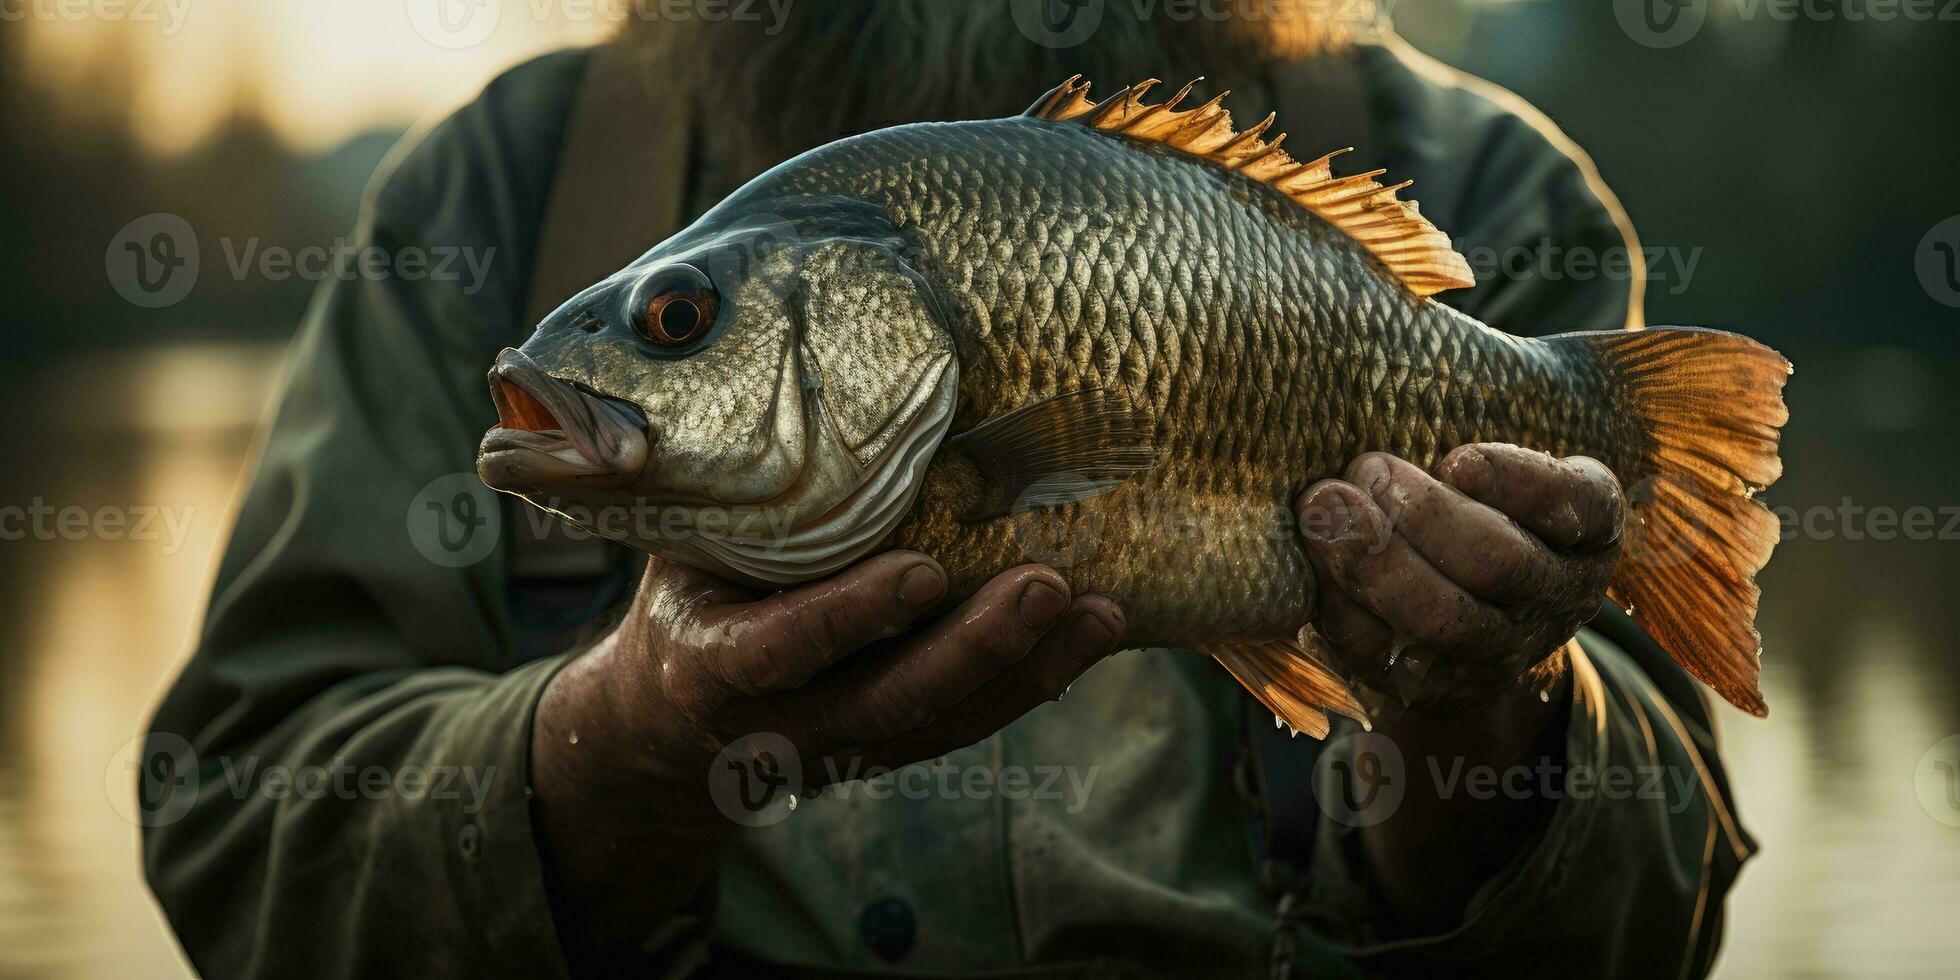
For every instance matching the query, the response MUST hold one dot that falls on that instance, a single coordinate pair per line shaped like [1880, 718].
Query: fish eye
[681, 308]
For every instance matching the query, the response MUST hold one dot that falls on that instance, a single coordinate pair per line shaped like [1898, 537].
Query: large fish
[1119, 338]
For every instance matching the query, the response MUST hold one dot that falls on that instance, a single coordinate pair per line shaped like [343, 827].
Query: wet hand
[848, 669]
[1449, 588]
[856, 671]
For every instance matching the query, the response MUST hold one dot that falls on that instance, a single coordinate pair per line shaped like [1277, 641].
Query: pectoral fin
[1068, 447]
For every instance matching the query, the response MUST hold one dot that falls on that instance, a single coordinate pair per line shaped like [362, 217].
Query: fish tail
[1706, 409]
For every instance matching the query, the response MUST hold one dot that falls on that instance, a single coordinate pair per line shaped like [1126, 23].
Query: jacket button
[889, 927]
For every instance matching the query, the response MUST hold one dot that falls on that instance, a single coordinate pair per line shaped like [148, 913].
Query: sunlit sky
[318, 71]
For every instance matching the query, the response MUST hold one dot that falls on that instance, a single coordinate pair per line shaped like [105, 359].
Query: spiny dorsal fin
[1393, 230]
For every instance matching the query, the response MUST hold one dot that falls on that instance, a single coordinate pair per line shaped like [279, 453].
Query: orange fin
[1710, 408]
[1393, 230]
[1291, 680]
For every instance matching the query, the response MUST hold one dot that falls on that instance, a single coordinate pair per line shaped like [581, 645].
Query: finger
[1380, 571]
[1358, 638]
[1475, 546]
[670, 587]
[1090, 631]
[935, 668]
[779, 643]
[1572, 504]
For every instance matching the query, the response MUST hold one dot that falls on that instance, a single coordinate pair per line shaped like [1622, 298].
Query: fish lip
[610, 438]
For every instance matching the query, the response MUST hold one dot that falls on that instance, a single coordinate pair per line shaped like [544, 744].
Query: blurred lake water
[1857, 877]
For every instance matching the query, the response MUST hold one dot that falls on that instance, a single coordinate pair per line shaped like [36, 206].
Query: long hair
[832, 68]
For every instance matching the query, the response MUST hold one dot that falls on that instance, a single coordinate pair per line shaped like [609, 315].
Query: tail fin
[1707, 407]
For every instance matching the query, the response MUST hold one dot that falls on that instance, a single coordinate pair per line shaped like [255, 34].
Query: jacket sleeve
[1625, 880]
[337, 782]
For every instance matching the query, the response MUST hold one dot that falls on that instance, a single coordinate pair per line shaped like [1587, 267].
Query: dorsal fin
[1392, 230]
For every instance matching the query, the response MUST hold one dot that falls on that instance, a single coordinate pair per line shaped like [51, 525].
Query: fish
[1118, 337]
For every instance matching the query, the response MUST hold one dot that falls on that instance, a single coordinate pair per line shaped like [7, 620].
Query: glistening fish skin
[1121, 308]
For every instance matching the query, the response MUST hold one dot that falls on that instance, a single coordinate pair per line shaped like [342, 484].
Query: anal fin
[1291, 680]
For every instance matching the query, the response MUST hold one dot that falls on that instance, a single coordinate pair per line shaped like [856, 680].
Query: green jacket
[338, 782]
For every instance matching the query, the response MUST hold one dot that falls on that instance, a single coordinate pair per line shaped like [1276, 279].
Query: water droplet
[792, 801]
[574, 738]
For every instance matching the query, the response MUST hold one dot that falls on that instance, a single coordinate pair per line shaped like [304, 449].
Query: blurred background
[1799, 168]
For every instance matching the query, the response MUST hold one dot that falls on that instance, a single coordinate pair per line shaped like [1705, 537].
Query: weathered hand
[1450, 589]
[852, 670]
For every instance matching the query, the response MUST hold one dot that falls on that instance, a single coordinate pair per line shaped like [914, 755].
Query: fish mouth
[551, 432]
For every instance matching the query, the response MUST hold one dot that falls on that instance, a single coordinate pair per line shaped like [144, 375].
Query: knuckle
[893, 710]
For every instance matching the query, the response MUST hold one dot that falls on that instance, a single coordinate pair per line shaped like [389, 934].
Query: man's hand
[1454, 594]
[847, 669]
[1449, 589]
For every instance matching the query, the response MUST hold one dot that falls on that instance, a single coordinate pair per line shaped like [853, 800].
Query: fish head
[753, 396]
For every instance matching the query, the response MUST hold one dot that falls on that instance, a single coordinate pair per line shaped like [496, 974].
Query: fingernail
[1041, 603]
[920, 586]
[1372, 475]
[1471, 473]
[1091, 634]
[1326, 515]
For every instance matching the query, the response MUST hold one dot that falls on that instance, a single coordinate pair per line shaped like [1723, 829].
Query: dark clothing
[340, 638]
